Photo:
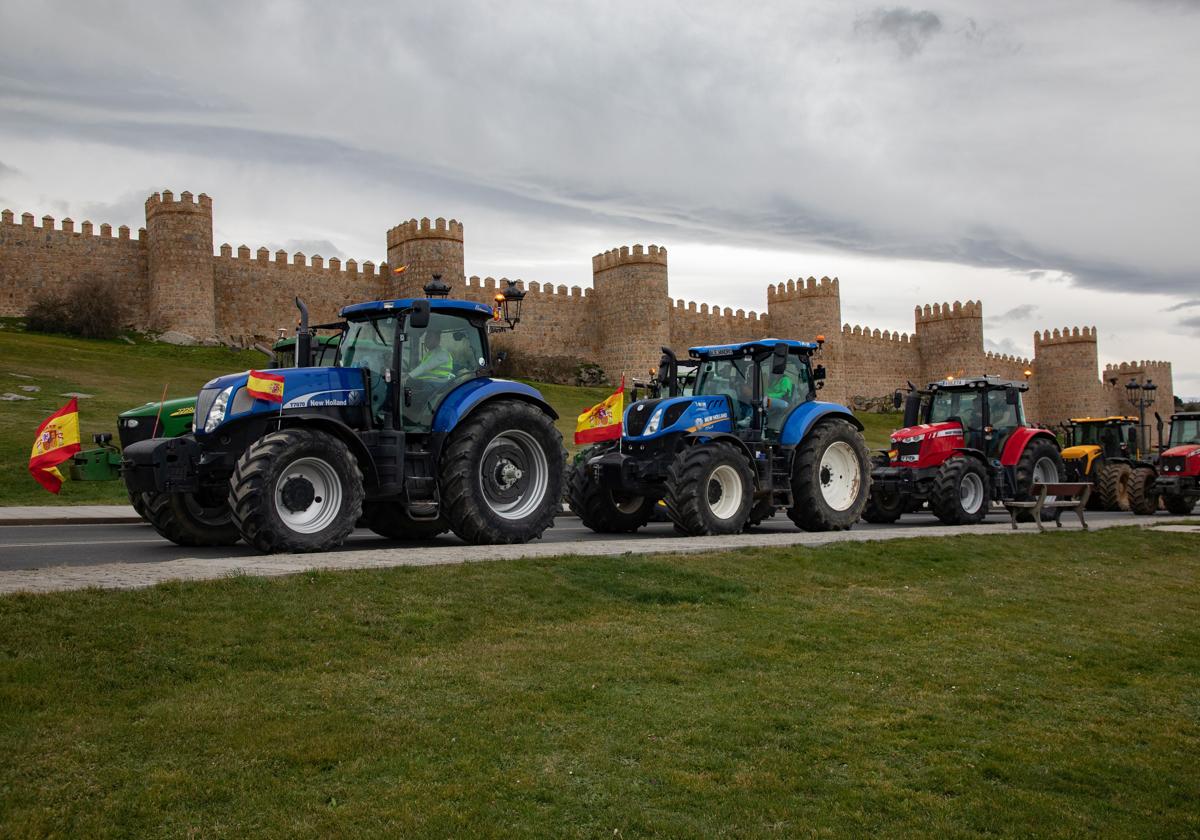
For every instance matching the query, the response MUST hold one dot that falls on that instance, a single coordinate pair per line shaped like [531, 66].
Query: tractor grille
[636, 419]
[908, 451]
[203, 404]
[131, 430]
[1172, 464]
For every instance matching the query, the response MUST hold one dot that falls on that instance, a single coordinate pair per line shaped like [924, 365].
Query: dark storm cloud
[1190, 323]
[1018, 313]
[142, 90]
[1187, 304]
[910, 29]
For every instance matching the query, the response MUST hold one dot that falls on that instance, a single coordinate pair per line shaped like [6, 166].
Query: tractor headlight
[217, 412]
[655, 420]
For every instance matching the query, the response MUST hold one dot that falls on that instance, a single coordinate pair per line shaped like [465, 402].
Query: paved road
[45, 546]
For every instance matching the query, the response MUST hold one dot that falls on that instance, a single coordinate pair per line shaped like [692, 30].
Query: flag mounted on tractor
[56, 441]
[265, 386]
[603, 420]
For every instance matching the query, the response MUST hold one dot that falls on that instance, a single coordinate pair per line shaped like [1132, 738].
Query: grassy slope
[1039, 685]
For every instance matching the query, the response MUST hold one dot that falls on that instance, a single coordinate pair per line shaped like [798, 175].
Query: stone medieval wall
[169, 278]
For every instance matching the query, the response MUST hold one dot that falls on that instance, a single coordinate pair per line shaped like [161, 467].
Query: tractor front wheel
[710, 490]
[501, 474]
[296, 490]
[960, 495]
[884, 508]
[831, 478]
[605, 510]
[1178, 504]
[1114, 485]
[190, 519]
[1143, 498]
[392, 521]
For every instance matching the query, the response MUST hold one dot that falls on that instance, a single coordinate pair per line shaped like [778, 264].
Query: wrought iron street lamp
[508, 304]
[435, 288]
[1141, 395]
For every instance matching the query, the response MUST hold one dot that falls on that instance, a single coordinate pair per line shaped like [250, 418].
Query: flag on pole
[265, 386]
[56, 441]
[603, 420]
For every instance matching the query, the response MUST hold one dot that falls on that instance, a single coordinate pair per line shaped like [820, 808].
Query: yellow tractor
[1103, 451]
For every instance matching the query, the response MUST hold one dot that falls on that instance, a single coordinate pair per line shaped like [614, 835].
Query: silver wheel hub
[514, 474]
[308, 495]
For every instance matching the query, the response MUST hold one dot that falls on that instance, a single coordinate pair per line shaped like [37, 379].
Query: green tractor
[171, 419]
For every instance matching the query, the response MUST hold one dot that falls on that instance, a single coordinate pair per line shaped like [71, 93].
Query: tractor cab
[980, 414]
[1174, 477]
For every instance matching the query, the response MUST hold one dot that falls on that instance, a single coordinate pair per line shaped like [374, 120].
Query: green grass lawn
[1026, 686]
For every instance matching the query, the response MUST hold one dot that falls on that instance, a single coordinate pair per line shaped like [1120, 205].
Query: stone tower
[632, 309]
[180, 263]
[1116, 377]
[804, 309]
[950, 339]
[1065, 375]
[427, 249]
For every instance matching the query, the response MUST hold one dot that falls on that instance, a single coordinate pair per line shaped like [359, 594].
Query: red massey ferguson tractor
[1174, 474]
[965, 445]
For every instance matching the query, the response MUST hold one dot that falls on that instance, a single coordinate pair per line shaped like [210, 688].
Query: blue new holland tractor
[407, 433]
[750, 438]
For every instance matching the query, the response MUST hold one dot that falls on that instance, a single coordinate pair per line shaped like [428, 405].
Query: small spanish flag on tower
[56, 441]
[265, 386]
[603, 420]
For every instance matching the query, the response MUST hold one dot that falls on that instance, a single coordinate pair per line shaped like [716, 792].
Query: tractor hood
[171, 408]
[925, 431]
[226, 397]
[1182, 451]
[1083, 450]
[651, 418]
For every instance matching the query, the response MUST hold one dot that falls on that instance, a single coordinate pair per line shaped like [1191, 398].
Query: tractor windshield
[369, 344]
[1185, 430]
[729, 377]
[963, 406]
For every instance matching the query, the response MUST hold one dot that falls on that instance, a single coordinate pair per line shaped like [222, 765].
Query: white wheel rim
[1045, 471]
[840, 475]
[724, 492]
[514, 475]
[970, 492]
[326, 491]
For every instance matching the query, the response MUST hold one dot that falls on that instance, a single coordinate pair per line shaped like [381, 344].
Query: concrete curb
[93, 515]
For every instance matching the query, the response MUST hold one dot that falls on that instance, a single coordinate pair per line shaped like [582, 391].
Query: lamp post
[1141, 396]
[508, 304]
[435, 288]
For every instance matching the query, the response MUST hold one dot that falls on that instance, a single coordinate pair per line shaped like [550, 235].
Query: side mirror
[897, 399]
[779, 359]
[419, 317]
[1012, 396]
[819, 373]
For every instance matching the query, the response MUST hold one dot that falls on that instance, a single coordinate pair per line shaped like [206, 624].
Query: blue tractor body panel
[375, 307]
[459, 402]
[721, 350]
[803, 416]
[302, 388]
[678, 414]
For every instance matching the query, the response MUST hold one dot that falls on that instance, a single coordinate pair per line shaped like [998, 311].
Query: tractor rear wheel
[1143, 498]
[710, 490]
[191, 519]
[296, 490]
[883, 507]
[501, 474]
[960, 494]
[831, 478]
[391, 520]
[1178, 504]
[604, 509]
[1113, 486]
[1040, 463]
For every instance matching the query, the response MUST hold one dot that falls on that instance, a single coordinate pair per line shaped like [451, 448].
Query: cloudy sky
[1042, 157]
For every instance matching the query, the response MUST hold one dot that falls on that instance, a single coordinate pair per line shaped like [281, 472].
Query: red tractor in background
[1173, 476]
[965, 445]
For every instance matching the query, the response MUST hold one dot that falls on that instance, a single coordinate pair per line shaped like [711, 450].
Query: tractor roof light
[435, 288]
[509, 302]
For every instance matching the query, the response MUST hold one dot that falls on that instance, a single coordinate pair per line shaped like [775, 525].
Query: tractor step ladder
[781, 477]
[421, 496]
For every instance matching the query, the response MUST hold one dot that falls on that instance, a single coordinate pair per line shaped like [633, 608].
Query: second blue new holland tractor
[751, 438]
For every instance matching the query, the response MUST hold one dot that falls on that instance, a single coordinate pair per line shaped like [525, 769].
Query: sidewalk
[68, 515]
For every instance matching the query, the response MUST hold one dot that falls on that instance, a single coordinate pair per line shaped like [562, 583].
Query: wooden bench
[1056, 497]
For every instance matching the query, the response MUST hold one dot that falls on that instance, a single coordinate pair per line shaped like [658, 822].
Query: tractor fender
[250, 427]
[803, 417]
[697, 438]
[1020, 439]
[470, 395]
[971, 452]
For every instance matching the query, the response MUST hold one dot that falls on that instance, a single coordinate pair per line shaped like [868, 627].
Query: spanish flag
[56, 441]
[265, 386]
[603, 420]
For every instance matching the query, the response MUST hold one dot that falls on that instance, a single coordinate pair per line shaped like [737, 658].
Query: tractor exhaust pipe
[668, 372]
[303, 337]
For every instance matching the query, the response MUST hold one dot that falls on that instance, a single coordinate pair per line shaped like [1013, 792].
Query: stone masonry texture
[170, 279]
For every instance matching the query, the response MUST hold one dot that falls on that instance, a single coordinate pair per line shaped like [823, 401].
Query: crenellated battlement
[334, 265]
[490, 285]
[625, 255]
[425, 229]
[1133, 367]
[885, 337]
[794, 289]
[67, 225]
[165, 201]
[1005, 357]
[946, 311]
[1067, 335]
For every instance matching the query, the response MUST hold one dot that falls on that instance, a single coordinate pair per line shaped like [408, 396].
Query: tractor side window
[784, 391]
[368, 344]
[435, 360]
[1001, 415]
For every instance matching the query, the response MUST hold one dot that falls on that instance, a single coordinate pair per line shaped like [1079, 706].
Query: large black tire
[296, 490]
[831, 478]
[1178, 505]
[710, 490]
[391, 520]
[1143, 498]
[139, 505]
[1113, 486]
[189, 519]
[1041, 456]
[501, 474]
[961, 493]
[762, 510]
[884, 508]
[603, 509]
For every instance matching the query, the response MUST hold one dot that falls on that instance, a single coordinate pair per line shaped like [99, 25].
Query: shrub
[88, 308]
